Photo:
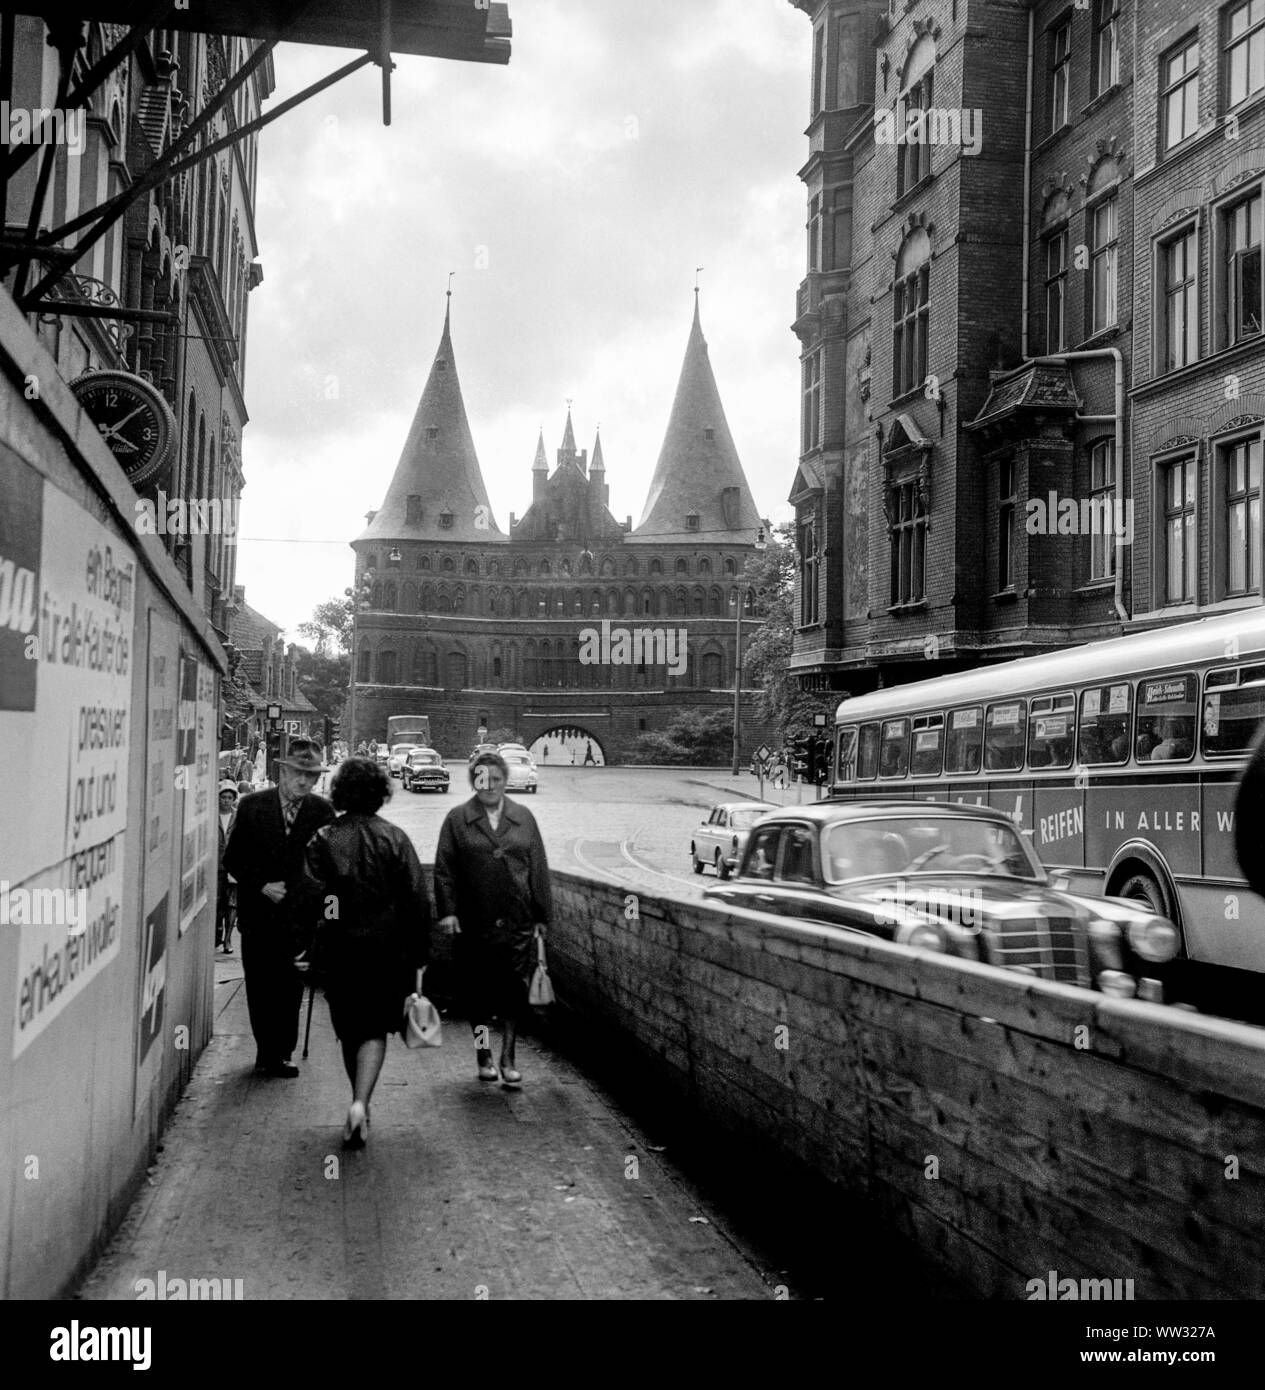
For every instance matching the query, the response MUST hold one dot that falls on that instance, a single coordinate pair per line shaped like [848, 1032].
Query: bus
[408, 728]
[1120, 759]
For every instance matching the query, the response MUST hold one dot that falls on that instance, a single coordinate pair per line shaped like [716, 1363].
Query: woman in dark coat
[375, 932]
[492, 888]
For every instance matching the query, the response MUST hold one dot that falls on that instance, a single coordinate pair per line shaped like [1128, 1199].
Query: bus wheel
[1142, 887]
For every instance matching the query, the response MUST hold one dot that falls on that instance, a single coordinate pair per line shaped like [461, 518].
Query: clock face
[133, 419]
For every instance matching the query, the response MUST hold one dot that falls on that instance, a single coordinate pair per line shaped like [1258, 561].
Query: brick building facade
[480, 627]
[1031, 417]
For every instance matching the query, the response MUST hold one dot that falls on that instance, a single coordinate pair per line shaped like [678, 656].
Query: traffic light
[821, 760]
[802, 759]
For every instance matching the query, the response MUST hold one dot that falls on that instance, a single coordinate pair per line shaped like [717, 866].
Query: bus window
[846, 764]
[965, 740]
[867, 753]
[1105, 725]
[928, 754]
[1166, 719]
[894, 748]
[1004, 728]
[1234, 705]
[1052, 723]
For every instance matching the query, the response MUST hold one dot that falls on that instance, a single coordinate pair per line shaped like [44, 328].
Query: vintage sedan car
[522, 770]
[962, 880]
[425, 772]
[721, 838]
[482, 748]
[398, 757]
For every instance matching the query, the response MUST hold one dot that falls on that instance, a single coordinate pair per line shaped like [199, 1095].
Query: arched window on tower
[426, 599]
[608, 568]
[682, 566]
[911, 309]
[530, 666]
[656, 567]
[647, 601]
[389, 596]
[682, 605]
[913, 151]
[730, 567]
[449, 565]
[472, 566]
[459, 599]
[612, 601]
[704, 566]
[712, 672]
[444, 602]
[700, 599]
[715, 603]
[363, 658]
[545, 568]
[387, 668]
[595, 602]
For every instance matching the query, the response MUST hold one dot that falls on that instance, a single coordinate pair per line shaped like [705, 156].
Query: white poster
[70, 747]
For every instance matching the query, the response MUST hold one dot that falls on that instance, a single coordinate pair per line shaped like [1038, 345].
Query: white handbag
[540, 992]
[422, 1024]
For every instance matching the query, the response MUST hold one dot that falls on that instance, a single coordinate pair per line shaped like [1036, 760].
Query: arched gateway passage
[568, 746]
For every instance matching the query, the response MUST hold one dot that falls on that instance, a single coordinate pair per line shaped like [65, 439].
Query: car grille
[1050, 947]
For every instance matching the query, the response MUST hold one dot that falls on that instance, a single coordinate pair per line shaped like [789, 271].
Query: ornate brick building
[477, 626]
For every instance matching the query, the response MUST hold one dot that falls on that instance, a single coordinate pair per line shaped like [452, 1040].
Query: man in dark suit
[265, 856]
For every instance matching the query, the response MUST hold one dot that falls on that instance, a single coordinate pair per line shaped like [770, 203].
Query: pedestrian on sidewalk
[492, 890]
[275, 913]
[373, 947]
[224, 882]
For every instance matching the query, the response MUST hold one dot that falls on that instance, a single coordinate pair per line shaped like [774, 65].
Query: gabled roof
[439, 465]
[698, 470]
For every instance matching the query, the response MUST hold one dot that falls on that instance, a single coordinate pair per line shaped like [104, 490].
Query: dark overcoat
[259, 851]
[496, 883]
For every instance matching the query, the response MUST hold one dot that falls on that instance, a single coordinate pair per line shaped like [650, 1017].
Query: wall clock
[133, 418]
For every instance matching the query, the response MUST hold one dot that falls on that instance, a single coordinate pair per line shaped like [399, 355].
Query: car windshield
[424, 759]
[516, 758]
[402, 749]
[744, 818]
[924, 844]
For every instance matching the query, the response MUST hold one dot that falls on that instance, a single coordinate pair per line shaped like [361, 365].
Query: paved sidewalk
[746, 787]
[465, 1190]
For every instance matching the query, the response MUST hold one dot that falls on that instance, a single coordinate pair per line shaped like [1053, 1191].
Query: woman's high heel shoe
[511, 1078]
[356, 1130]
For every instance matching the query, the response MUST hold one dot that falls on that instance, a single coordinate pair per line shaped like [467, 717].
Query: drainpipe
[1062, 358]
[1027, 188]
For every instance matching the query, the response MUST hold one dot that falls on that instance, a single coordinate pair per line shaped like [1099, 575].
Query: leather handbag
[540, 991]
[422, 1024]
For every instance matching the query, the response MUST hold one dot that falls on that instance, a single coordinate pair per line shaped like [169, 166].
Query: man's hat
[227, 786]
[304, 756]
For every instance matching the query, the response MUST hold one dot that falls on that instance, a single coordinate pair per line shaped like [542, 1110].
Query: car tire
[722, 870]
[698, 863]
[716, 863]
[1142, 887]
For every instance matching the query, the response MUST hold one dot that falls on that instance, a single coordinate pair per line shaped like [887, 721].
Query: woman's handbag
[540, 992]
[422, 1024]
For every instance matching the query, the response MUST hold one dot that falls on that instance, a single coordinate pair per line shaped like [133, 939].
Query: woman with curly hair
[375, 933]
[492, 889]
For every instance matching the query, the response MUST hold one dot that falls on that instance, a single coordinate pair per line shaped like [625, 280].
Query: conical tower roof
[699, 470]
[568, 436]
[439, 465]
[540, 464]
[599, 463]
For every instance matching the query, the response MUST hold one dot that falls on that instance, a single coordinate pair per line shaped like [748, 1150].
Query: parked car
[399, 756]
[958, 879]
[721, 838]
[482, 748]
[522, 771]
[425, 772]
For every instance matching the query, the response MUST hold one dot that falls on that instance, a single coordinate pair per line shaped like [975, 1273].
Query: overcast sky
[574, 193]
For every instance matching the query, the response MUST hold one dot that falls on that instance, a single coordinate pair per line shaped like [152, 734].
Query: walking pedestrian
[224, 881]
[265, 856]
[589, 759]
[372, 950]
[492, 890]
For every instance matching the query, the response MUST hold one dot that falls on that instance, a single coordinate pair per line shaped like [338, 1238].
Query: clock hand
[108, 430]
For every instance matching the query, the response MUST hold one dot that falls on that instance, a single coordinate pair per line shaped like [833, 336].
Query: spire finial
[698, 270]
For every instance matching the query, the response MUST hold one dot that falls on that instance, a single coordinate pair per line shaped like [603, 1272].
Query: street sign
[764, 752]
[293, 726]
[819, 721]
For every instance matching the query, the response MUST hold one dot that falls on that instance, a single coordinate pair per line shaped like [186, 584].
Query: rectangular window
[1106, 52]
[1055, 291]
[808, 561]
[1005, 729]
[1245, 50]
[1179, 93]
[910, 314]
[867, 753]
[965, 740]
[909, 544]
[1104, 732]
[1241, 235]
[1179, 486]
[1050, 731]
[814, 232]
[1234, 706]
[812, 402]
[819, 68]
[1179, 314]
[1007, 511]
[913, 152]
[1241, 516]
[1060, 73]
[894, 749]
[1104, 231]
[1102, 509]
[1166, 718]
[928, 751]
[846, 761]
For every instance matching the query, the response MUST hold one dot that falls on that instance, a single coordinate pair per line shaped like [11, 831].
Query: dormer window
[413, 511]
[691, 522]
[709, 433]
[432, 431]
[423, 562]
[446, 520]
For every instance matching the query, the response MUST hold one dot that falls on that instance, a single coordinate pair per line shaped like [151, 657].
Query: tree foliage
[768, 654]
[693, 739]
[330, 627]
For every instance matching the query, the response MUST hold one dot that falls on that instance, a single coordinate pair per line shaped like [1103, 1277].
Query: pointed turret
[699, 474]
[599, 464]
[437, 492]
[539, 469]
[597, 472]
[567, 454]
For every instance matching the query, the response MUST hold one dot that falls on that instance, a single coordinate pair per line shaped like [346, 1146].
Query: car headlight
[1155, 938]
[1117, 984]
[926, 938]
